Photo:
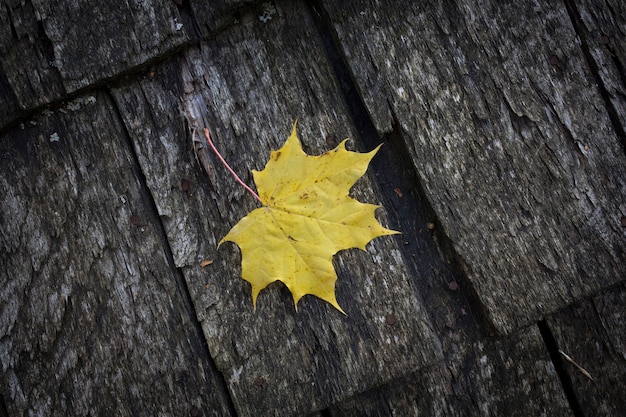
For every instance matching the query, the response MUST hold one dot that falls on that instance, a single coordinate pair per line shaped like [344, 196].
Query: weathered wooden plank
[214, 16]
[27, 75]
[593, 335]
[50, 49]
[510, 137]
[452, 387]
[94, 318]
[601, 28]
[248, 85]
[510, 376]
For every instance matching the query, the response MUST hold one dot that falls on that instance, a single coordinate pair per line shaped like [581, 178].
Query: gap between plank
[578, 25]
[412, 225]
[559, 366]
[3, 408]
[181, 283]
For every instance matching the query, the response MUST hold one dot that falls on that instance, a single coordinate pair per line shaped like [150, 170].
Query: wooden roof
[503, 165]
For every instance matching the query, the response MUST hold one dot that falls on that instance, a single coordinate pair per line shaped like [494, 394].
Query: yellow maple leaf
[306, 218]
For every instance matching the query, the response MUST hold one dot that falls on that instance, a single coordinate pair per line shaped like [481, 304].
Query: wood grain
[511, 139]
[593, 336]
[603, 40]
[94, 319]
[510, 376]
[248, 86]
[51, 50]
[503, 167]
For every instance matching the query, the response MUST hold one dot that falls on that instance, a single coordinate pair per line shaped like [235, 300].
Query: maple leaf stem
[223, 161]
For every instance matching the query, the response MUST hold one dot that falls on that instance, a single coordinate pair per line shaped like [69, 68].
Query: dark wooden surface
[592, 334]
[328, 355]
[96, 320]
[510, 376]
[503, 166]
[54, 49]
[604, 45]
[511, 138]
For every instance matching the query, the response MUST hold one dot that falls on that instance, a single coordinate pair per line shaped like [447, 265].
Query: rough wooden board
[211, 17]
[27, 76]
[593, 335]
[511, 140]
[510, 376]
[51, 49]
[521, 381]
[248, 85]
[94, 318]
[602, 28]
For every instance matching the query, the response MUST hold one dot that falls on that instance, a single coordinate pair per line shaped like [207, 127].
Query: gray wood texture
[52, 49]
[510, 376]
[95, 320]
[593, 336]
[312, 358]
[511, 139]
[600, 26]
[503, 167]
